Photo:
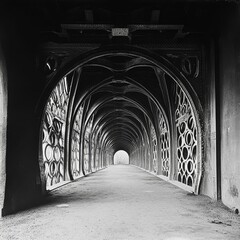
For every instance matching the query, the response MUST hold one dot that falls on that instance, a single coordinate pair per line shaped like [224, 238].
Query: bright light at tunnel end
[121, 157]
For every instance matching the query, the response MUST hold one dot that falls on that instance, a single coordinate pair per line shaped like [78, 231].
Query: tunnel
[82, 81]
[121, 98]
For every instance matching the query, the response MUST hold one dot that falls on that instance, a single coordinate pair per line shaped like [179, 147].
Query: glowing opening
[121, 157]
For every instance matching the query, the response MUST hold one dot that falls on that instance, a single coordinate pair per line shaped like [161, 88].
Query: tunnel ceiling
[123, 92]
[120, 100]
[91, 21]
[128, 66]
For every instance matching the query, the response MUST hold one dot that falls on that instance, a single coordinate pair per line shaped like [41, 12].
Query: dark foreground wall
[229, 84]
[3, 125]
[19, 50]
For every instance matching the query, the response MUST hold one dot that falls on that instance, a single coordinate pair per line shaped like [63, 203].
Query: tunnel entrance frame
[157, 61]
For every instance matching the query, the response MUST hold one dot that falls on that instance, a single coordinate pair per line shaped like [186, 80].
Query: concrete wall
[229, 80]
[23, 186]
[3, 128]
[209, 180]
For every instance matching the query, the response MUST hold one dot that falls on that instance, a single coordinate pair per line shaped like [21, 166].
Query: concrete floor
[122, 202]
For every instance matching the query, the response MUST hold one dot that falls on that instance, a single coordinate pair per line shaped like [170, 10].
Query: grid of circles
[97, 159]
[165, 145]
[92, 154]
[87, 147]
[86, 156]
[186, 139]
[154, 141]
[53, 130]
[75, 160]
[75, 157]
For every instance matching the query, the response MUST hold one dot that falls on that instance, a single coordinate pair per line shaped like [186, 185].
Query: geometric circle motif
[75, 163]
[48, 152]
[53, 134]
[57, 153]
[186, 138]
[165, 144]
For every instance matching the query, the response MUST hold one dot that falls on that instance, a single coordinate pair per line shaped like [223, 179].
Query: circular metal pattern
[75, 162]
[181, 140]
[185, 153]
[52, 168]
[48, 152]
[48, 120]
[165, 143]
[53, 135]
[61, 168]
[186, 139]
[189, 138]
[57, 153]
[190, 166]
[154, 143]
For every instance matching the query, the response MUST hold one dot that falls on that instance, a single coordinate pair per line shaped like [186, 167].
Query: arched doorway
[118, 109]
[121, 157]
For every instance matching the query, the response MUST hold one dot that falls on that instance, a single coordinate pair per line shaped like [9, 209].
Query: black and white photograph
[119, 120]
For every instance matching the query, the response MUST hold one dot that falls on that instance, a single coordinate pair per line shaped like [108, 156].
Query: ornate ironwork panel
[53, 133]
[93, 153]
[165, 144]
[87, 147]
[75, 157]
[86, 155]
[186, 139]
[154, 143]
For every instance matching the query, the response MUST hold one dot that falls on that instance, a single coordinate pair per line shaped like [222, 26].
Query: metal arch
[140, 137]
[144, 127]
[129, 124]
[127, 137]
[134, 116]
[157, 61]
[130, 113]
[135, 62]
[106, 125]
[129, 130]
[120, 124]
[90, 117]
[127, 143]
[99, 88]
[120, 50]
[140, 88]
[134, 103]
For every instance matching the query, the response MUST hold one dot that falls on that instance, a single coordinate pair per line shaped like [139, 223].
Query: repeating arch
[151, 144]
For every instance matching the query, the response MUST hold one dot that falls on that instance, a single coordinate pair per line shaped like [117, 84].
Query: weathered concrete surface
[209, 179]
[229, 68]
[3, 127]
[122, 202]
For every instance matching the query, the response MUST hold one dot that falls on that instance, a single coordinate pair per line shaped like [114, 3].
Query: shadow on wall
[121, 157]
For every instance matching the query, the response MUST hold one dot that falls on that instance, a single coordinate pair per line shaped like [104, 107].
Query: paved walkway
[122, 202]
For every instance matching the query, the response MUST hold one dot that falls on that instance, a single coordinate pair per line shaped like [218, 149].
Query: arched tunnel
[81, 81]
[121, 98]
